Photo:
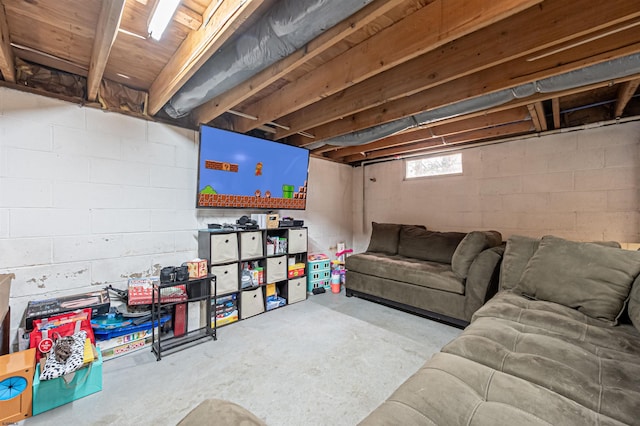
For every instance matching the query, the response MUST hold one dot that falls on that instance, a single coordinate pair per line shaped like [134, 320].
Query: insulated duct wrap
[616, 68]
[286, 27]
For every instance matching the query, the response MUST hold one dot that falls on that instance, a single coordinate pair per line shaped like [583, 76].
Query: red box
[141, 289]
[197, 268]
[298, 272]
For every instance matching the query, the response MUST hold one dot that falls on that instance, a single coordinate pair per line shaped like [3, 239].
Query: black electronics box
[98, 301]
[289, 223]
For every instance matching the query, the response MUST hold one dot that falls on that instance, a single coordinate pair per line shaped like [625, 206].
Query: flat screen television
[245, 172]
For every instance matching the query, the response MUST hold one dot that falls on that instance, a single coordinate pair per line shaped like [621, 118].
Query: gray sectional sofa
[443, 275]
[558, 345]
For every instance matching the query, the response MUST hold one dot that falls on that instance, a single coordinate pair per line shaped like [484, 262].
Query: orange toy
[16, 385]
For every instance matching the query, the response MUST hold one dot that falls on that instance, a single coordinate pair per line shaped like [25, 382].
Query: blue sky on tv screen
[262, 165]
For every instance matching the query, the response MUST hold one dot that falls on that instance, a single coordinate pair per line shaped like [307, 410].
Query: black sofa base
[455, 322]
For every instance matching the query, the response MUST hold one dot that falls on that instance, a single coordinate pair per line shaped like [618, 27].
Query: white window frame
[436, 173]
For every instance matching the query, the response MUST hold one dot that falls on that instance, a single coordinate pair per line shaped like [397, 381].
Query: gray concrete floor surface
[329, 360]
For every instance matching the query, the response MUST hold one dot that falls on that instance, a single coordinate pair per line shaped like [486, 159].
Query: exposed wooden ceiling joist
[489, 80]
[537, 116]
[475, 135]
[7, 62]
[625, 92]
[432, 131]
[106, 31]
[221, 104]
[432, 26]
[555, 106]
[197, 48]
[557, 21]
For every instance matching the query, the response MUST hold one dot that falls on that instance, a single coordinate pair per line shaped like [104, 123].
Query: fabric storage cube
[226, 278]
[297, 240]
[49, 394]
[296, 290]
[276, 269]
[251, 245]
[251, 303]
[224, 248]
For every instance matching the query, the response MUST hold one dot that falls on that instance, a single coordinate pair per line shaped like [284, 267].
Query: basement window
[433, 166]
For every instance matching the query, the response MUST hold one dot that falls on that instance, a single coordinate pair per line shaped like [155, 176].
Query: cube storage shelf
[245, 261]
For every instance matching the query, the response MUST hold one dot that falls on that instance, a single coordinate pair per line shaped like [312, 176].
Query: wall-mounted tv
[240, 171]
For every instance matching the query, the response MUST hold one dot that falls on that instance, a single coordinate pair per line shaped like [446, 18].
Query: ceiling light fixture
[162, 13]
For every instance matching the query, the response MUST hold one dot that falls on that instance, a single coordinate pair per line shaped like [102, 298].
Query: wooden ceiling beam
[106, 32]
[435, 130]
[558, 21]
[475, 135]
[7, 62]
[537, 116]
[516, 104]
[555, 106]
[197, 48]
[221, 104]
[489, 80]
[625, 92]
[428, 28]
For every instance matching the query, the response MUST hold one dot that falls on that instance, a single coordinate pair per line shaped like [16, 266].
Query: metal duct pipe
[616, 68]
[286, 27]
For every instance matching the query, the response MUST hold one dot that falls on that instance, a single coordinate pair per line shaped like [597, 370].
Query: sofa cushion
[599, 378]
[413, 271]
[470, 247]
[384, 237]
[518, 251]
[452, 390]
[589, 277]
[428, 245]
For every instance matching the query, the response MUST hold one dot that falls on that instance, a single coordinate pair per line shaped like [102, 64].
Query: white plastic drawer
[276, 269]
[251, 303]
[251, 245]
[297, 290]
[226, 278]
[224, 248]
[297, 240]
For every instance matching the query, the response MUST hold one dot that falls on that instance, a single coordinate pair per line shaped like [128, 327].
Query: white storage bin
[226, 278]
[224, 248]
[297, 240]
[276, 269]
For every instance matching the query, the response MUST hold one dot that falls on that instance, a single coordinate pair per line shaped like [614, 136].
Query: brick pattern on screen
[246, 201]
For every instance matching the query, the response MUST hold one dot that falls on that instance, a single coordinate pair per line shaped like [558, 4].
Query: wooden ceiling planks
[484, 49]
[263, 79]
[197, 48]
[428, 28]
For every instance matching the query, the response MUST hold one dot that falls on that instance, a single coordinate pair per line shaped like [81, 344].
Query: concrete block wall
[90, 198]
[582, 185]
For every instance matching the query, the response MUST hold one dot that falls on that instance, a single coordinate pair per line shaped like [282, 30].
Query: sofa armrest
[482, 282]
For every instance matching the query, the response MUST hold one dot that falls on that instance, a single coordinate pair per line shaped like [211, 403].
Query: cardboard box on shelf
[141, 289]
[197, 268]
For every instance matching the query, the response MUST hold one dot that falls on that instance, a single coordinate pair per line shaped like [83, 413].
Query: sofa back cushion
[418, 243]
[470, 247]
[592, 278]
[384, 237]
[518, 251]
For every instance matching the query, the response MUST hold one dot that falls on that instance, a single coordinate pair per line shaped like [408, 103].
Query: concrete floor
[329, 360]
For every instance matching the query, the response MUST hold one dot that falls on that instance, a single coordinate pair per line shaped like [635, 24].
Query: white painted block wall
[90, 198]
[582, 185]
